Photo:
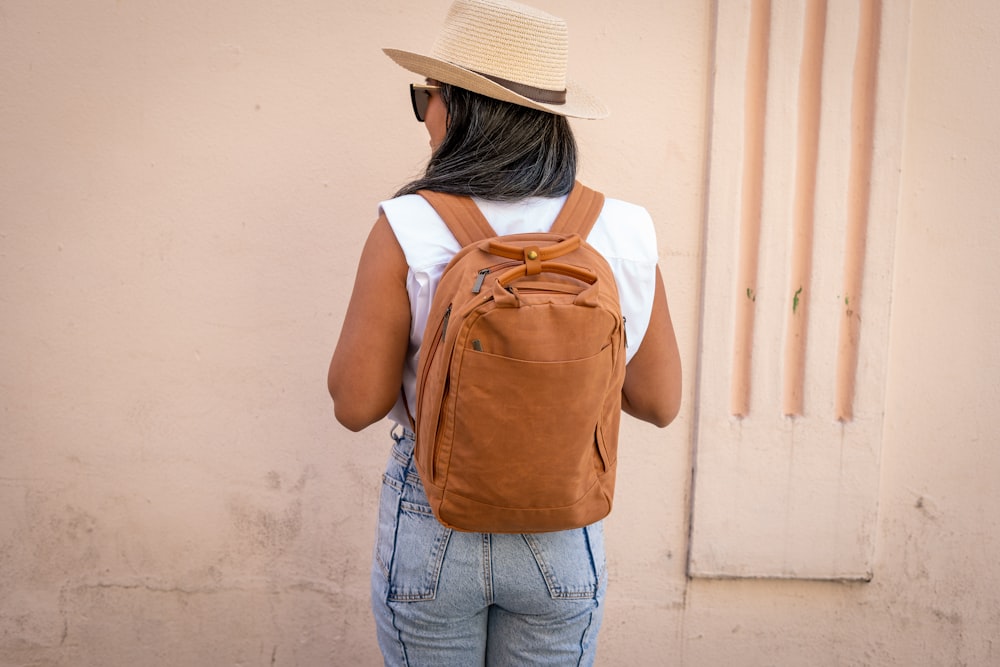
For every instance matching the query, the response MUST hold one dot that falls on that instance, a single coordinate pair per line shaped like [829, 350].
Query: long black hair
[499, 151]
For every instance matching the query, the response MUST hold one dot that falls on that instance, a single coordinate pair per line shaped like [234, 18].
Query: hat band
[531, 92]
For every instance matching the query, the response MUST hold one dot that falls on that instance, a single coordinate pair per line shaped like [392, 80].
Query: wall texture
[184, 190]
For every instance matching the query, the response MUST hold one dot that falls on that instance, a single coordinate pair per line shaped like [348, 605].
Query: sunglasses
[420, 97]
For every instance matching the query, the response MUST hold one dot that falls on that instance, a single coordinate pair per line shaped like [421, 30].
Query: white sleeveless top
[623, 234]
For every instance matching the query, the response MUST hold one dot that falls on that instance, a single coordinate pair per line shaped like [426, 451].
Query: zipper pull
[444, 322]
[478, 285]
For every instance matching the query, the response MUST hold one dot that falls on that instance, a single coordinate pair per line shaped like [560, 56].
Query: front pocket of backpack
[528, 421]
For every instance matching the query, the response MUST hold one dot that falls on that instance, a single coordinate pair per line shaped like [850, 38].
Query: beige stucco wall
[184, 189]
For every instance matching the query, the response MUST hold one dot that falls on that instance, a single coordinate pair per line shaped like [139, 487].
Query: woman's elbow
[353, 414]
[658, 404]
[670, 405]
[659, 414]
[664, 415]
[351, 419]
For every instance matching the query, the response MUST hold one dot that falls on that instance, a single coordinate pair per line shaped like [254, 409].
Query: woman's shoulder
[405, 207]
[420, 231]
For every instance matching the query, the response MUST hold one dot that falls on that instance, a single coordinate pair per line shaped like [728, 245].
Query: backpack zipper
[444, 321]
[477, 286]
[431, 351]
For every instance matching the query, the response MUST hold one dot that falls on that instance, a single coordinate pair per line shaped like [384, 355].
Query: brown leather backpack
[520, 375]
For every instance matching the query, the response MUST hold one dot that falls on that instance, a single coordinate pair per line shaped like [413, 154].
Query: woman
[495, 104]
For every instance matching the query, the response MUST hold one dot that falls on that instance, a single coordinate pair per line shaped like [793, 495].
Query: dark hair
[499, 151]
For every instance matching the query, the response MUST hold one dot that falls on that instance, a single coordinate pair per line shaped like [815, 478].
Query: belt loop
[398, 432]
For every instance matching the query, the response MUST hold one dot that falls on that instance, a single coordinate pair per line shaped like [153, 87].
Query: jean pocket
[388, 516]
[410, 545]
[572, 562]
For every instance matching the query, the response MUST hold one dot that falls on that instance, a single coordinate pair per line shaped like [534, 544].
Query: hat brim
[579, 103]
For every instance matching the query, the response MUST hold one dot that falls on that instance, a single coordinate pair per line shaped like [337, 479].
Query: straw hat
[506, 51]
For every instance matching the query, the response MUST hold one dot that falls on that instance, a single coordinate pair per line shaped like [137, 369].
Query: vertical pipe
[858, 199]
[803, 212]
[754, 115]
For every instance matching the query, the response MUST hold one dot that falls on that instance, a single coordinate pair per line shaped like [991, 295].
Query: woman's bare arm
[652, 390]
[367, 367]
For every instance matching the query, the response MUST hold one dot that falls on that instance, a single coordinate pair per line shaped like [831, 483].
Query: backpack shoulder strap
[580, 212]
[466, 222]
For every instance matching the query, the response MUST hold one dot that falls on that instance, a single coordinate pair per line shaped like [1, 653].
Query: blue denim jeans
[444, 597]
